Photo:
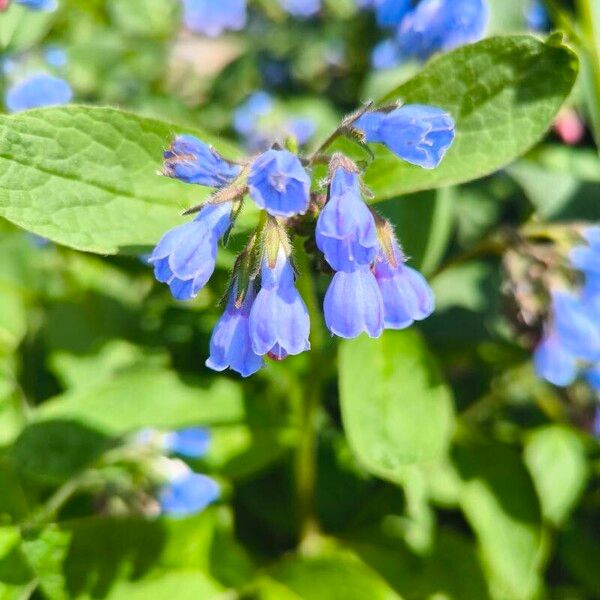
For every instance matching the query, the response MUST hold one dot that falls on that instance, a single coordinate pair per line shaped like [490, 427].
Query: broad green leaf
[87, 178]
[16, 578]
[396, 409]
[499, 501]
[556, 458]
[21, 27]
[503, 93]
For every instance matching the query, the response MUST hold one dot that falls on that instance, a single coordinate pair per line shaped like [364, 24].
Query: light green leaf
[87, 178]
[16, 578]
[21, 27]
[556, 459]
[396, 409]
[503, 92]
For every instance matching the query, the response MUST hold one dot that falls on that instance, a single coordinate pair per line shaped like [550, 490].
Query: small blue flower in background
[47, 5]
[245, 117]
[407, 297]
[301, 8]
[191, 160]
[353, 304]
[185, 257]
[441, 25]
[279, 321]
[55, 56]
[187, 493]
[230, 344]
[213, 17]
[553, 362]
[192, 442]
[301, 128]
[537, 17]
[346, 232]
[386, 55]
[420, 135]
[279, 184]
[38, 90]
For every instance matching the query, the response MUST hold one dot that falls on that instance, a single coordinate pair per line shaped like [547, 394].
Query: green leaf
[556, 458]
[16, 578]
[21, 27]
[503, 92]
[500, 503]
[87, 178]
[579, 550]
[396, 409]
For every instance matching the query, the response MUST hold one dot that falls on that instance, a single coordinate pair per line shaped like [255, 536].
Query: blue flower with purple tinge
[346, 231]
[192, 161]
[407, 297]
[38, 90]
[279, 184]
[420, 135]
[279, 321]
[301, 8]
[230, 344]
[187, 493]
[553, 362]
[353, 304]
[46, 5]
[213, 17]
[192, 442]
[185, 257]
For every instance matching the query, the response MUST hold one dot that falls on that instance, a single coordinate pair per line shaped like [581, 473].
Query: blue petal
[192, 442]
[586, 259]
[391, 12]
[212, 18]
[36, 91]
[353, 305]
[188, 494]
[47, 5]
[554, 363]
[592, 376]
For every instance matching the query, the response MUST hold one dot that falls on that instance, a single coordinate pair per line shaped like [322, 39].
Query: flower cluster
[372, 287]
[571, 341]
[426, 28]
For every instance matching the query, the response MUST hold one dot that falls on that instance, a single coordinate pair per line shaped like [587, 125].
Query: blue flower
[279, 183]
[230, 344]
[353, 304]
[246, 116]
[553, 362]
[279, 321]
[419, 134]
[192, 442]
[346, 232]
[36, 91]
[407, 297]
[212, 17]
[47, 5]
[55, 56]
[390, 13]
[187, 494]
[575, 326]
[301, 128]
[386, 55]
[191, 160]
[537, 17]
[301, 8]
[185, 257]
[592, 376]
[441, 25]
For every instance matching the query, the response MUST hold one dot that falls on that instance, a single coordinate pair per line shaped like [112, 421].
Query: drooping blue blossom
[441, 25]
[192, 442]
[537, 17]
[279, 184]
[279, 321]
[230, 344]
[353, 304]
[407, 297]
[188, 493]
[553, 362]
[420, 135]
[185, 257]
[346, 231]
[38, 90]
[301, 8]
[191, 160]
[213, 17]
[46, 5]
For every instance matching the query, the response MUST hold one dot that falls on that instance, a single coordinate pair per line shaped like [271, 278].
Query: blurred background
[130, 470]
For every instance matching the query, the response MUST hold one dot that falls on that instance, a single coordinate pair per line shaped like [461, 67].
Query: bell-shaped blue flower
[346, 231]
[279, 321]
[407, 297]
[301, 8]
[230, 344]
[37, 91]
[420, 135]
[192, 442]
[279, 184]
[185, 257]
[553, 362]
[353, 304]
[47, 5]
[192, 161]
[187, 494]
[575, 326]
[441, 25]
[213, 17]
